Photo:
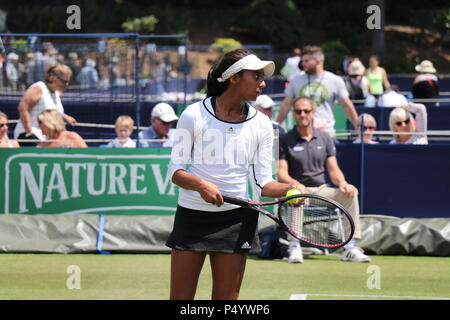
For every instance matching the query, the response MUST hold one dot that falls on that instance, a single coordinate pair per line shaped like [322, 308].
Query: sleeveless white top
[49, 101]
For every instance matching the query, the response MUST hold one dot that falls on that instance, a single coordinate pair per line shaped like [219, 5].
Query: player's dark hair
[214, 87]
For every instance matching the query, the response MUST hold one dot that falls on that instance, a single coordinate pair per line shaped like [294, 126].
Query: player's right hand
[211, 193]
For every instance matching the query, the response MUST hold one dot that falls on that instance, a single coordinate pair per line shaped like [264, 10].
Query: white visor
[250, 62]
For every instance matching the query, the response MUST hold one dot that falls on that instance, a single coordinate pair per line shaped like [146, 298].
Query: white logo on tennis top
[245, 245]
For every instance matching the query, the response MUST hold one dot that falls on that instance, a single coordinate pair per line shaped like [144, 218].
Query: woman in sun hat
[220, 143]
[356, 82]
[425, 85]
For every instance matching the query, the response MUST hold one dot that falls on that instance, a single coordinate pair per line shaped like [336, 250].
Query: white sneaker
[355, 254]
[311, 250]
[295, 255]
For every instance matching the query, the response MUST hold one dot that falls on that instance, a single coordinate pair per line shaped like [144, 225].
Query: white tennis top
[49, 100]
[227, 154]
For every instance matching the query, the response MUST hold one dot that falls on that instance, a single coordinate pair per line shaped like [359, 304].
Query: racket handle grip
[236, 201]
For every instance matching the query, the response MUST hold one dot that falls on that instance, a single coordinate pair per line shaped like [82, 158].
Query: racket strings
[317, 222]
[295, 220]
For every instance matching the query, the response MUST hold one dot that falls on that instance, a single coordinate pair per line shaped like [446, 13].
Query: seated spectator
[265, 104]
[392, 98]
[370, 124]
[12, 72]
[401, 120]
[356, 82]
[162, 120]
[124, 129]
[4, 140]
[88, 76]
[53, 127]
[307, 155]
[425, 85]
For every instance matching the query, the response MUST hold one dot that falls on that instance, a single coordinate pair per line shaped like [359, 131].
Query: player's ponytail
[215, 87]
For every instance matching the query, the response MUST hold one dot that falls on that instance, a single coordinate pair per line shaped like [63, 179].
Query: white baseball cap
[164, 112]
[263, 101]
[12, 56]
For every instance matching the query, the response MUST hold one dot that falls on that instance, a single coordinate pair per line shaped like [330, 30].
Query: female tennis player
[226, 142]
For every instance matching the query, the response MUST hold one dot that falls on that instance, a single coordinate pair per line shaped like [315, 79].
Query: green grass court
[146, 276]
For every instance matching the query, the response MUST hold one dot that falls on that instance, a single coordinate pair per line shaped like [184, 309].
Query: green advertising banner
[93, 180]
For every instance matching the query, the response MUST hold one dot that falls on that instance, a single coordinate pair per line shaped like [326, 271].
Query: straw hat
[426, 66]
[356, 68]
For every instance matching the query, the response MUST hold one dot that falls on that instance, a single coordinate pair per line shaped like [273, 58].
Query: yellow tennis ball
[292, 192]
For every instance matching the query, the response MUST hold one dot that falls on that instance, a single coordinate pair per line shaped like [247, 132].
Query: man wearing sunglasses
[306, 153]
[163, 118]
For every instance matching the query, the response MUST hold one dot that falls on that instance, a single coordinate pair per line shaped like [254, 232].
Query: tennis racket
[313, 220]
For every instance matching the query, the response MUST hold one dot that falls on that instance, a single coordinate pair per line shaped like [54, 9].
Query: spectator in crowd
[52, 125]
[158, 72]
[124, 129]
[5, 142]
[401, 120]
[39, 97]
[42, 60]
[377, 76]
[323, 87]
[88, 76]
[3, 78]
[306, 154]
[392, 98]
[74, 64]
[425, 85]
[29, 69]
[12, 72]
[345, 64]
[370, 124]
[162, 120]
[265, 104]
[356, 82]
[291, 67]
[113, 71]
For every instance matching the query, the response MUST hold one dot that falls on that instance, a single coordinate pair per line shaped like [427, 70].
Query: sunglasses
[300, 111]
[369, 128]
[3, 125]
[399, 123]
[65, 81]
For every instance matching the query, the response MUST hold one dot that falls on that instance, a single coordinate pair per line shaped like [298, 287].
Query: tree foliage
[142, 25]
[277, 22]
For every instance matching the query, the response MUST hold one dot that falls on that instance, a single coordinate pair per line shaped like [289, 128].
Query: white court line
[304, 296]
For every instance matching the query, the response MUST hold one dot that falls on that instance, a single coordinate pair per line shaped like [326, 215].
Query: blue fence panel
[400, 180]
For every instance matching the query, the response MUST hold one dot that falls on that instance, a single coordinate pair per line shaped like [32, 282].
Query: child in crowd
[124, 129]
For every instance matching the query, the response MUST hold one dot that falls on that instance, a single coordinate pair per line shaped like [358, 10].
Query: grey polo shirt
[306, 159]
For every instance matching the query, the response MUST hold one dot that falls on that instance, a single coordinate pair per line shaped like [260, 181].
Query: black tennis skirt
[232, 231]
